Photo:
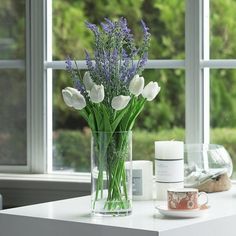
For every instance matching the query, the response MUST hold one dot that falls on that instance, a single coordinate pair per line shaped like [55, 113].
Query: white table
[72, 217]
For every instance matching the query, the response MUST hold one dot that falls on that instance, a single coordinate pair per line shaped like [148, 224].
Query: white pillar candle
[169, 150]
[142, 180]
[169, 167]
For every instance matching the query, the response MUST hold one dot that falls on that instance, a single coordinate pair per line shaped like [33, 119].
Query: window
[183, 53]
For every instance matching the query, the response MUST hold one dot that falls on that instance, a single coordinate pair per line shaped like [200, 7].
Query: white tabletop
[72, 217]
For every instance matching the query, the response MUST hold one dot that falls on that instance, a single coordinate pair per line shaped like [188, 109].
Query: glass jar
[204, 162]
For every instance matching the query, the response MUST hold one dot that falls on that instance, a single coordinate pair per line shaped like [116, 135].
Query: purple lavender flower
[143, 60]
[68, 64]
[123, 25]
[105, 27]
[110, 23]
[125, 30]
[105, 64]
[132, 72]
[79, 86]
[89, 62]
[92, 27]
[108, 27]
[134, 52]
[106, 72]
[145, 28]
[114, 55]
[124, 54]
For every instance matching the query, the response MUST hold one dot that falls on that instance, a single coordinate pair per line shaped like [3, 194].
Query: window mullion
[197, 93]
[151, 64]
[12, 64]
[206, 72]
[219, 63]
[49, 84]
[37, 114]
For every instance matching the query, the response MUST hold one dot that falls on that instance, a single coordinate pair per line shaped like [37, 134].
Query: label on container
[137, 182]
[169, 170]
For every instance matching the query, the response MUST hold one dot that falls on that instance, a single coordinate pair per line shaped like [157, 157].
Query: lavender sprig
[115, 51]
[114, 54]
[69, 66]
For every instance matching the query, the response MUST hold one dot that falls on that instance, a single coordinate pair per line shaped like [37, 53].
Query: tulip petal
[79, 101]
[136, 85]
[97, 93]
[73, 98]
[67, 97]
[120, 102]
[88, 82]
[151, 90]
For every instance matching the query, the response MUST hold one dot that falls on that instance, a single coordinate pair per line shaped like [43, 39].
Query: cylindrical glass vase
[111, 173]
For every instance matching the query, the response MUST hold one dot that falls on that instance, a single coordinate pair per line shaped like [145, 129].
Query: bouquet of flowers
[110, 96]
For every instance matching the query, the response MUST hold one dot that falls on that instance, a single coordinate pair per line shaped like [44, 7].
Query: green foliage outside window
[71, 37]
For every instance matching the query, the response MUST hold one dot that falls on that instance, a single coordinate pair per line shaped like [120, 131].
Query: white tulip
[72, 90]
[73, 98]
[67, 96]
[151, 90]
[120, 102]
[97, 93]
[136, 85]
[79, 101]
[88, 82]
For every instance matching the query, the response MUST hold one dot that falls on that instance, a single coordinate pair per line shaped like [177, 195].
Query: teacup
[186, 199]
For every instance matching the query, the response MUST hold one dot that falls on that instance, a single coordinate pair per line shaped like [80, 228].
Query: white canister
[142, 180]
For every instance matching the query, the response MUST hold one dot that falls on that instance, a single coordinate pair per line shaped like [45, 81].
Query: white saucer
[164, 210]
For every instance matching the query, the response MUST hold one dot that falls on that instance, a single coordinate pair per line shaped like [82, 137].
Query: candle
[142, 180]
[169, 166]
[169, 150]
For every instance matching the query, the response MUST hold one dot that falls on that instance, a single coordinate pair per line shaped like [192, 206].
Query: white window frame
[36, 77]
[39, 66]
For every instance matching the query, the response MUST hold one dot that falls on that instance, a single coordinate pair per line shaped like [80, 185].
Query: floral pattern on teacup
[180, 200]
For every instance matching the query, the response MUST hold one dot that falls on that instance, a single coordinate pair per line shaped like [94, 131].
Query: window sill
[25, 189]
[57, 177]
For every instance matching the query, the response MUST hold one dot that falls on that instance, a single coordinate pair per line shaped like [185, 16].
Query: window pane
[12, 84]
[12, 29]
[223, 110]
[222, 24]
[161, 119]
[12, 117]
[165, 18]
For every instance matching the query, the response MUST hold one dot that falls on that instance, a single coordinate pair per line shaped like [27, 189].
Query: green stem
[113, 150]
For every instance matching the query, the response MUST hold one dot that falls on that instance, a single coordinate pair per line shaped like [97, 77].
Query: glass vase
[111, 173]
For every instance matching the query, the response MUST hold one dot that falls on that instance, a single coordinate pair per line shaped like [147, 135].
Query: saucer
[164, 210]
